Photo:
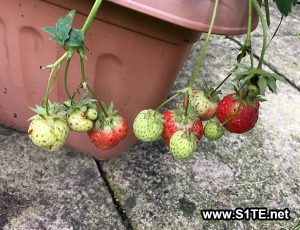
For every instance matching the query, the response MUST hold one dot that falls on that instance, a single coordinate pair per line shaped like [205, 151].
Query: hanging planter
[135, 51]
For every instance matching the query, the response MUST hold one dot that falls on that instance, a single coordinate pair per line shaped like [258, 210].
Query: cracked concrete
[61, 190]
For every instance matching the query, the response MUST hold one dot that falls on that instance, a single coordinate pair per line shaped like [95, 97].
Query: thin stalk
[187, 105]
[46, 97]
[264, 28]
[203, 50]
[167, 101]
[89, 88]
[247, 43]
[222, 82]
[248, 39]
[281, 19]
[91, 16]
[66, 79]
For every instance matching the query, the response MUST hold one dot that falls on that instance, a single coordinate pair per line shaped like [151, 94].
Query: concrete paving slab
[60, 190]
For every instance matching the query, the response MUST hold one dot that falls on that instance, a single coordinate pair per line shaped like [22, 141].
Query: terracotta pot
[136, 50]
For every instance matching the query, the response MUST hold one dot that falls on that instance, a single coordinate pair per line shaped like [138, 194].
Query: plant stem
[247, 44]
[222, 82]
[46, 97]
[91, 16]
[187, 105]
[203, 50]
[66, 79]
[84, 82]
[248, 39]
[264, 28]
[167, 101]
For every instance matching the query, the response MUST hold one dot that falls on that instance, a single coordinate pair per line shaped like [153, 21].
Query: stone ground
[146, 188]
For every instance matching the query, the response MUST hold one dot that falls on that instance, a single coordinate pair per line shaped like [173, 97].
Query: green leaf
[49, 29]
[56, 39]
[260, 98]
[64, 26]
[267, 10]
[272, 84]
[262, 84]
[285, 6]
[76, 38]
[279, 78]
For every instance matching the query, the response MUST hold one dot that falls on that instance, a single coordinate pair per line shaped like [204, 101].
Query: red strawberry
[241, 116]
[175, 120]
[108, 130]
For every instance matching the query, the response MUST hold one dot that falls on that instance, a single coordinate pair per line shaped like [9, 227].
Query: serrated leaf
[285, 6]
[262, 84]
[57, 39]
[64, 26]
[76, 38]
[49, 29]
[272, 84]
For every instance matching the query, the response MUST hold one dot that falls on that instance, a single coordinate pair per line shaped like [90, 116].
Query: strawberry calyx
[55, 112]
[83, 104]
[110, 119]
[184, 119]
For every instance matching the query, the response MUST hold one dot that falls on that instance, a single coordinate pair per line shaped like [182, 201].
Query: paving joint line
[125, 219]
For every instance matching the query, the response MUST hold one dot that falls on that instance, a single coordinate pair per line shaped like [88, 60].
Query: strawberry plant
[50, 126]
[181, 128]
[237, 112]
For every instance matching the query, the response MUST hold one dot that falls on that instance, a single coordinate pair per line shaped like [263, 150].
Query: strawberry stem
[187, 105]
[57, 63]
[66, 76]
[203, 50]
[248, 38]
[247, 44]
[91, 16]
[84, 82]
[167, 101]
[264, 28]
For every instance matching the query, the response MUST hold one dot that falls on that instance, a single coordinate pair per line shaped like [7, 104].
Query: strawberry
[238, 115]
[148, 125]
[48, 131]
[204, 105]
[213, 130]
[79, 122]
[108, 130]
[176, 120]
[183, 144]
[81, 114]
[92, 113]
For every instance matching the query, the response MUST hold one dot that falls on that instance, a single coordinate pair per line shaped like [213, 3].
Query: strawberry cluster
[49, 127]
[182, 128]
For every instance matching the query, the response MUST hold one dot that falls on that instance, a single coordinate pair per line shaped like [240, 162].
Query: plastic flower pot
[136, 50]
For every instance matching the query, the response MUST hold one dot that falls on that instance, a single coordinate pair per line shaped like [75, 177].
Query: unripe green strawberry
[148, 125]
[213, 130]
[206, 107]
[79, 122]
[92, 113]
[183, 144]
[48, 131]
